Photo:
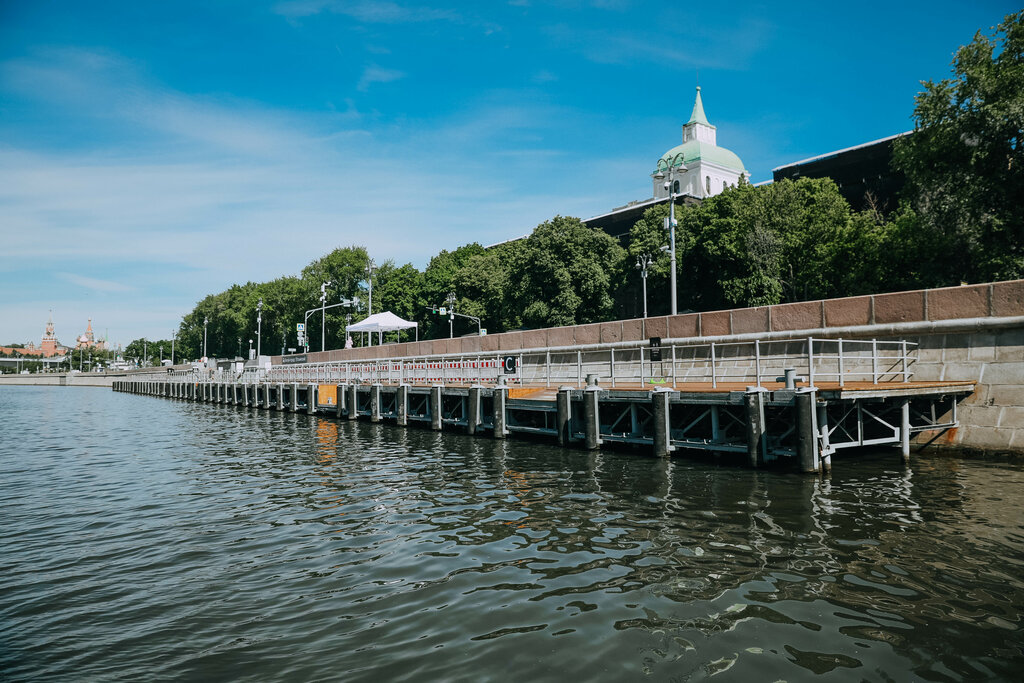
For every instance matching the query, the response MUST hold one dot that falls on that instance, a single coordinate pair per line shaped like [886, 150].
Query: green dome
[695, 150]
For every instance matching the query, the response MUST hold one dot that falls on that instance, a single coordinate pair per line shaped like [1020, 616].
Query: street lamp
[673, 169]
[450, 300]
[323, 314]
[370, 267]
[250, 349]
[205, 321]
[643, 262]
[174, 335]
[259, 327]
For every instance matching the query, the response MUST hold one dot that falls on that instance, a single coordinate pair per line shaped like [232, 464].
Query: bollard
[661, 398]
[473, 414]
[375, 402]
[435, 407]
[753, 400]
[500, 397]
[353, 402]
[563, 407]
[339, 392]
[591, 415]
[806, 429]
[311, 398]
[402, 404]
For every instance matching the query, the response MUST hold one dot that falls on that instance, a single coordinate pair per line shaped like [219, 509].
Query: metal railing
[617, 365]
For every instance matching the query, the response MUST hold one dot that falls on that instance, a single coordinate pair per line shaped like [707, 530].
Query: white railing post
[810, 361]
[673, 366]
[874, 361]
[757, 360]
[714, 377]
[842, 381]
[903, 343]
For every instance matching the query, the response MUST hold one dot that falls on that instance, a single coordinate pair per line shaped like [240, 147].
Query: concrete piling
[473, 409]
[402, 405]
[435, 407]
[353, 402]
[661, 399]
[806, 429]
[375, 402]
[757, 439]
[591, 422]
[311, 398]
[562, 414]
[500, 398]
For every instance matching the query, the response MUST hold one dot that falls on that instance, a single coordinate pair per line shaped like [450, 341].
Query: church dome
[694, 150]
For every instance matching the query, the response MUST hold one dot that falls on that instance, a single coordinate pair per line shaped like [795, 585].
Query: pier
[795, 401]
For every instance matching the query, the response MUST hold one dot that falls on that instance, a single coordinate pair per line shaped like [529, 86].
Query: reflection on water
[146, 538]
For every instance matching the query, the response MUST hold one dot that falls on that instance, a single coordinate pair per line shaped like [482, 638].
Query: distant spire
[698, 111]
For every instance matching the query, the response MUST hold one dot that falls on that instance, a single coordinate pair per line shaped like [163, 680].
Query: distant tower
[49, 345]
[709, 168]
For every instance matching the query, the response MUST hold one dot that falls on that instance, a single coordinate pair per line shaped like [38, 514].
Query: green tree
[964, 162]
[439, 279]
[399, 290]
[568, 274]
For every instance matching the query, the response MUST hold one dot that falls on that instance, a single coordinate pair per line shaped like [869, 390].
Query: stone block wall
[996, 299]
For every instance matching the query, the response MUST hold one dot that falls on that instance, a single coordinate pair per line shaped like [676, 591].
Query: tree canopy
[964, 162]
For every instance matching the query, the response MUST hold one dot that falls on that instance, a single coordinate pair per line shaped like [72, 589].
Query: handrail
[752, 362]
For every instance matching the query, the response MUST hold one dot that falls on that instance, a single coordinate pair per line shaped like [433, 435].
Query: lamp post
[451, 314]
[250, 349]
[259, 326]
[205, 321]
[174, 335]
[673, 169]
[370, 267]
[323, 315]
[145, 354]
[643, 262]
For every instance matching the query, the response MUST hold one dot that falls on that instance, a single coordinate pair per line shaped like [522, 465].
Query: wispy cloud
[368, 11]
[376, 74]
[94, 284]
[688, 46]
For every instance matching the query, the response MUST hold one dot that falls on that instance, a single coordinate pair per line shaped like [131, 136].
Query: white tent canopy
[382, 322]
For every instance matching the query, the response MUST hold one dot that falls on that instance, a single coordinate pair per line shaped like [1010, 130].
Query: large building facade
[698, 167]
[693, 170]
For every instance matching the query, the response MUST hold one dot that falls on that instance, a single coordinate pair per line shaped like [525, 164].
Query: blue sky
[154, 153]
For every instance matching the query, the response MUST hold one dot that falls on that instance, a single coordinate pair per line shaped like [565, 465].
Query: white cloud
[375, 74]
[95, 284]
[182, 196]
[368, 11]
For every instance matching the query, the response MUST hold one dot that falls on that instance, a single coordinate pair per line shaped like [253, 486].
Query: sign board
[508, 365]
[292, 360]
[443, 310]
[327, 395]
[301, 327]
[655, 349]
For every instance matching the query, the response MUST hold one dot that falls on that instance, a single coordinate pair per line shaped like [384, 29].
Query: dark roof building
[864, 173]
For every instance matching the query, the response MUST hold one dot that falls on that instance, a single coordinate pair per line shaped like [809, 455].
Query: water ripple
[155, 539]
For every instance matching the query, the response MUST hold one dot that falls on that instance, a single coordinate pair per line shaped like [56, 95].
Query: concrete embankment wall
[973, 332]
[62, 379]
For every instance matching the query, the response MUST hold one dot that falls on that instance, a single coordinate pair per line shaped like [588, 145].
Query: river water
[154, 539]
